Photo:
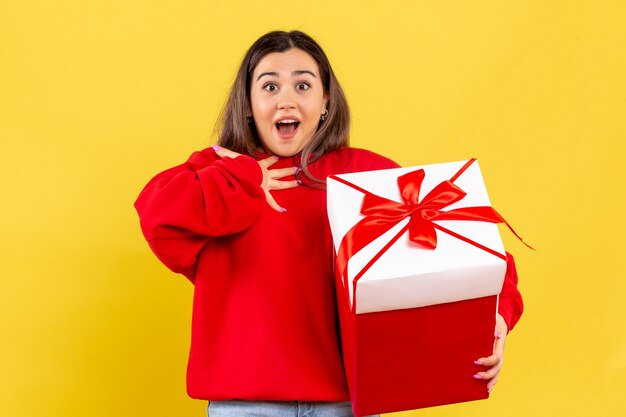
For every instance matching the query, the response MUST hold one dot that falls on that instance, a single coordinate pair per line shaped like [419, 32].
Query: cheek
[313, 113]
[262, 113]
[314, 108]
[258, 104]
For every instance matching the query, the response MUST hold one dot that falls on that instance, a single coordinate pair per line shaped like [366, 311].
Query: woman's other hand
[494, 362]
[271, 177]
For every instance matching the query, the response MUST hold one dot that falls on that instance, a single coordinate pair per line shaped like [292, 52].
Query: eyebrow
[293, 73]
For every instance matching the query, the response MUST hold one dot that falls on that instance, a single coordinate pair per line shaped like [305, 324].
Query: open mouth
[287, 127]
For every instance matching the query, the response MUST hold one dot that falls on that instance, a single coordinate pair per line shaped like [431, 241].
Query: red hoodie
[264, 323]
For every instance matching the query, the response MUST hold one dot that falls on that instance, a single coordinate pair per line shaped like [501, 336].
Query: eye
[270, 87]
[302, 86]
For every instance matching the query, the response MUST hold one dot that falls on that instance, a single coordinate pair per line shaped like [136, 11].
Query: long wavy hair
[237, 134]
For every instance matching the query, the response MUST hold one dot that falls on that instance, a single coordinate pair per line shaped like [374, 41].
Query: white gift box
[408, 275]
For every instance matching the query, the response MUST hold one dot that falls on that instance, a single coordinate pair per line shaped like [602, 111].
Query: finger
[498, 353]
[268, 162]
[492, 383]
[489, 360]
[490, 373]
[281, 185]
[495, 361]
[281, 172]
[223, 152]
[272, 203]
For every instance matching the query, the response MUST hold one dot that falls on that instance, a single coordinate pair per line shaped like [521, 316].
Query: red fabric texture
[265, 320]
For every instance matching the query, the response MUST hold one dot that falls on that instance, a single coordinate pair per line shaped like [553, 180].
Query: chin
[286, 150]
[286, 153]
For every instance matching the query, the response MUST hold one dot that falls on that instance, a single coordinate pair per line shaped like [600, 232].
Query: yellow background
[98, 96]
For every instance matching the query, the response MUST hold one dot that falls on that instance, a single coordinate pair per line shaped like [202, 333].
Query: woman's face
[287, 99]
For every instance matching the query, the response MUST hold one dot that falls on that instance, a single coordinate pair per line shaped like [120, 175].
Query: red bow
[381, 214]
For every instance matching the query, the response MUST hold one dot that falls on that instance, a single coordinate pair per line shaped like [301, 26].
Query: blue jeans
[237, 408]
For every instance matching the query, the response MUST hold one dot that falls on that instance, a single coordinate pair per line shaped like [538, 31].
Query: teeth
[288, 121]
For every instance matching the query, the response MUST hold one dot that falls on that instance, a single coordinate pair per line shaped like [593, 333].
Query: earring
[324, 115]
[250, 120]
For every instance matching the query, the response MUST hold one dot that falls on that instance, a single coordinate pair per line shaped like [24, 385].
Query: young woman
[245, 221]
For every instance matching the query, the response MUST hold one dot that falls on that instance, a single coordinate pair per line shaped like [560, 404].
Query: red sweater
[264, 323]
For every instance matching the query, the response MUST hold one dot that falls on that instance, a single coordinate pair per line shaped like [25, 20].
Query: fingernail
[298, 170]
[498, 334]
[284, 210]
[217, 148]
[489, 390]
[477, 363]
[478, 377]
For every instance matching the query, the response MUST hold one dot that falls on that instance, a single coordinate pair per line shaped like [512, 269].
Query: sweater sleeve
[510, 305]
[183, 207]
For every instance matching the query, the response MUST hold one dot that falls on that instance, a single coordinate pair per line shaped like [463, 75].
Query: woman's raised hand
[271, 177]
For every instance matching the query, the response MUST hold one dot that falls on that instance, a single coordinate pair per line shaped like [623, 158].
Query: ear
[326, 100]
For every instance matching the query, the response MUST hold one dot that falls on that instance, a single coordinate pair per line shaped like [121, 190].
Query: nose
[286, 100]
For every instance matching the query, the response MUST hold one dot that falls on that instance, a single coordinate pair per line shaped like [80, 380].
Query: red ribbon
[381, 214]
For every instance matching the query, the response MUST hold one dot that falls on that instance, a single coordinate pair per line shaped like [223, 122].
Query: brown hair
[237, 134]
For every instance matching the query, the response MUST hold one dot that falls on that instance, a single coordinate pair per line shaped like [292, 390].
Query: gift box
[419, 265]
